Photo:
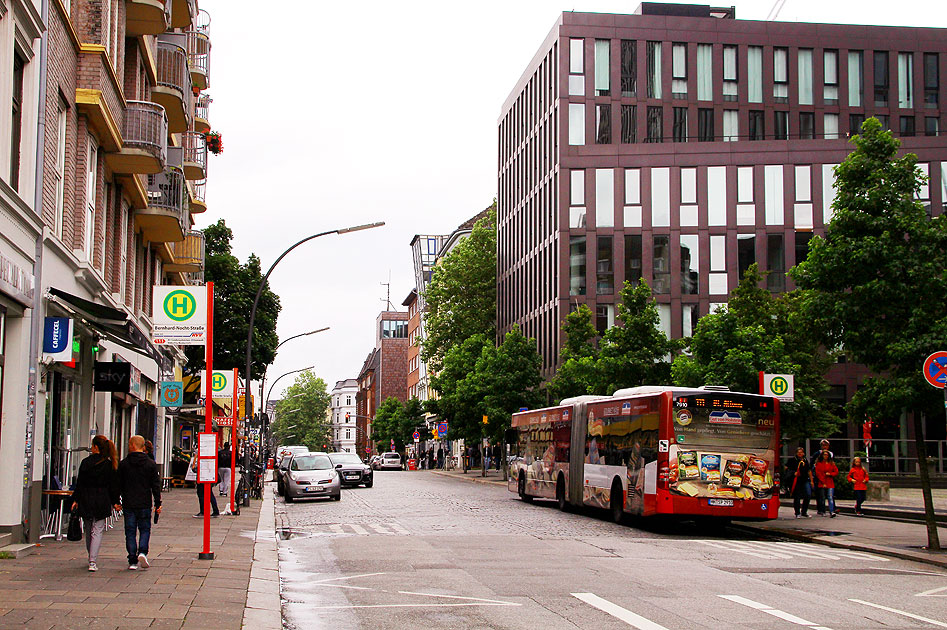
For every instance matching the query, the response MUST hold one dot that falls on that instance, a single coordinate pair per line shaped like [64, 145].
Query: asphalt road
[422, 551]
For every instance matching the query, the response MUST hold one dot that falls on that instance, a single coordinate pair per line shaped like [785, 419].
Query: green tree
[461, 297]
[509, 378]
[578, 373]
[235, 285]
[876, 282]
[459, 401]
[301, 417]
[396, 421]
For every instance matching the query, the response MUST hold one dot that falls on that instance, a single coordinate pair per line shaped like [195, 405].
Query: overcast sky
[341, 113]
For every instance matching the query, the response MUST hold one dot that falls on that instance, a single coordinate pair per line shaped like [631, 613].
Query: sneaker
[143, 561]
[798, 516]
[133, 567]
[93, 567]
[198, 515]
[833, 514]
[215, 515]
[806, 516]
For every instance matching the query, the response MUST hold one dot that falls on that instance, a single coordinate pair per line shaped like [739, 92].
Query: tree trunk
[933, 542]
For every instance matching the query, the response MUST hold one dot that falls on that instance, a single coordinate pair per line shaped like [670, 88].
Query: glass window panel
[830, 77]
[805, 76]
[717, 283]
[655, 124]
[773, 186]
[604, 271]
[931, 79]
[855, 122]
[632, 186]
[660, 197]
[576, 265]
[603, 123]
[924, 191]
[705, 90]
[757, 129]
[653, 59]
[604, 197]
[856, 77]
[633, 216]
[906, 81]
[633, 258]
[731, 125]
[577, 187]
[705, 125]
[717, 195]
[577, 217]
[806, 125]
[881, 79]
[775, 263]
[690, 315]
[575, 56]
[688, 216]
[780, 75]
[628, 131]
[729, 63]
[803, 183]
[661, 264]
[604, 317]
[576, 85]
[679, 70]
[745, 184]
[907, 125]
[831, 126]
[689, 262]
[802, 216]
[688, 185]
[679, 128]
[746, 253]
[629, 70]
[828, 191]
[718, 253]
[781, 125]
[932, 127]
[802, 246]
[576, 124]
[664, 319]
[754, 74]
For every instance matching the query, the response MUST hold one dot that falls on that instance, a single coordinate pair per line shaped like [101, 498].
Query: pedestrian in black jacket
[95, 493]
[139, 483]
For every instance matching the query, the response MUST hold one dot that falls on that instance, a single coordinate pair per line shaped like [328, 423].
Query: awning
[110, 323]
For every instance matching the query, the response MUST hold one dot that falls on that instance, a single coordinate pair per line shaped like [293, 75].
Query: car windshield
[310, 462]
[345, 458]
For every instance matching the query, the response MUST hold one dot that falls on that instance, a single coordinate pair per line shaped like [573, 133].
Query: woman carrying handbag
[95, 493]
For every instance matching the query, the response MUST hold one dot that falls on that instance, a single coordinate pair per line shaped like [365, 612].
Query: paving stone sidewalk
[53, 589]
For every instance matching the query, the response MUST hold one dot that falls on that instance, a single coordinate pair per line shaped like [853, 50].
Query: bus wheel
[561, 495]
[521, 488]
[616, 503]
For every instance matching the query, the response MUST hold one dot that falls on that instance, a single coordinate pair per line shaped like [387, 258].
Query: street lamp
[264, 440]
[259, 291]
[263, 380]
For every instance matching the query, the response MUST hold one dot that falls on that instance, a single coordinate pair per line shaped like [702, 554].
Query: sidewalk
[492, 476]
[52, 588]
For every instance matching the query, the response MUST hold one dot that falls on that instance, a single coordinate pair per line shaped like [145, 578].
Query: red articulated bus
[705, 452]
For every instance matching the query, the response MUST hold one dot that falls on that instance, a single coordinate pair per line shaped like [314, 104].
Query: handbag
[74, 532]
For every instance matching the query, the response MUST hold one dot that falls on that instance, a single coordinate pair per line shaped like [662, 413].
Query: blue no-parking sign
[935, 369]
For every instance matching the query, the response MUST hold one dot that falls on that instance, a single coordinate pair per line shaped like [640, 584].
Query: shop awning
[111, 323]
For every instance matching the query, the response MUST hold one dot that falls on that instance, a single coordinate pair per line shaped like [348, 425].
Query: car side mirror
[338, 465]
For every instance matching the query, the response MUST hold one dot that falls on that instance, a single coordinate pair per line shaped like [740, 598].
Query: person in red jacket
[825, 473]
[859, 478]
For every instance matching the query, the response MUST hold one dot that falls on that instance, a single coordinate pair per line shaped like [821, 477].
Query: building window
[603, 123]
[604, 197]
[661, 264]
[830, 77]
[628, 130]
[394, 329]
[781, 75]
[856, 77]
[705, 90]
[577, 187]
[604, 272]
[931, 126]
[576, 265]
[885, 121]
[775, 263]
[730, 73]
[17, 121]
[655, 124]
[907, 126]
[802, 246]
[348, 434]
[931, 79]
[629, 68]
[805, 76]
[690, 316]
[689, 260]
[882, 86]
[731, 125]
[855, 122]
[717, 280]
[754, 74]
[705, 125]
[633, 258]
[906, 80]
[806, 125]
[604, 317]
[831, 126]
[653, 58]
[602, 83]
[576, 50]
[746, 253]
[91, 169]
[756, 125]
[59, 174]
[576, 124]
[680, 124]
[781, 125]
[679, 71]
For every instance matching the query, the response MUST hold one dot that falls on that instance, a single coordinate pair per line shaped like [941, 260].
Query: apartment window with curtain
[604, 272]
[602, 83]
[17, 120]
[931, 79]
[830, 77]
[576, 265]
[705, 125]
[576, 67]
[576, 124]
[775, 263]
[907, 126]
[628, 131]
[906, 80]
[781, 125]
[756, 129]
[689, 261]
[730, 73]
[655, 124]
[59, 174]
[754, 74]
[885, 121]
[91, 168]
[603, 123]
[806, 125]
[781, 75]
[661, 264]
[633, 258]
[679, 71]
[830, 122]
[881, 81]
[805, 76]
[629, 68]
[604, 317]
[856, 77]
[680, 124]
[746, 252]
[731, 125]
[931, 126]
[653, 59]
[705, 89]
[855, 122]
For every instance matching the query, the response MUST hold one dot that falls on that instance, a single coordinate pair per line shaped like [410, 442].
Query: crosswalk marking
[934, 622]
[778, 550]
[632, 619]
[359, 529]
[775, 612]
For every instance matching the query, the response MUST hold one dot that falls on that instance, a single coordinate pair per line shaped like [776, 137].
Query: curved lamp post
[259, 291]
[265, 439]
[263, 380]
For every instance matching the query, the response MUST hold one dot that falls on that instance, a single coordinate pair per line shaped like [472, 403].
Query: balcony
[163, 220]
[187, 256]
[147, 17]
[145, 146]
[198, 54]
[202, 113]
[198, 201]
[195, 155]
[182, 13]
[174, 85]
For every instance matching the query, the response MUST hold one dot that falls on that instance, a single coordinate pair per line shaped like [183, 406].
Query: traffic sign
[935, 369]
[441, 429]
[779, 385]
[417, 436]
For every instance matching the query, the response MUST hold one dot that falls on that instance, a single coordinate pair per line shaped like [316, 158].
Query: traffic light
[346, 416]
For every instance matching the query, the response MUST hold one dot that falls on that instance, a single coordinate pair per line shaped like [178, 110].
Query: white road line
[775, 612]
[428, 605]
[358, 529]
[399, 529]
[618, 612]
[939, 624]
[337, 529]
[381, 529]
[932, 591]
[913, 571]
[805, 550]
[766, 555]
[348, 577]
[472, 599]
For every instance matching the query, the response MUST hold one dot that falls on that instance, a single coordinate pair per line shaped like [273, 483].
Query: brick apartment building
[680, 145]
[384, 372]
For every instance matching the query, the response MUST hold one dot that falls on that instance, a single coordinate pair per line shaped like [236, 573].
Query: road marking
[777, 550]
[381, 529]
[472, 599]
[389, 529]
[939, 624]
[358, 529]
[427, 605]
[931, 592]
[618, 612]
[347, 577]
[775, 612]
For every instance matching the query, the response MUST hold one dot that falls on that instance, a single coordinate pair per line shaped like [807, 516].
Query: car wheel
[616, 502]
[369, 483]
[521, 487]
[561, 495]
[337, 497]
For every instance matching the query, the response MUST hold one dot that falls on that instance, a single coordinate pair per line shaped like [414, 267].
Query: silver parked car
[311, 475]
[389, 461]
[352, 469]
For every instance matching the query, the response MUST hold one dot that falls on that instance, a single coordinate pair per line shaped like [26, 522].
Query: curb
[885, 513]
[263, 607]
[473, 478]
[879, 550]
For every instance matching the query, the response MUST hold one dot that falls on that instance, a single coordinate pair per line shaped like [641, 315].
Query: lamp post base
[205, 556]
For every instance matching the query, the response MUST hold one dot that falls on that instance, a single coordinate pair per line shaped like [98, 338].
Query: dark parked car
[354, 472]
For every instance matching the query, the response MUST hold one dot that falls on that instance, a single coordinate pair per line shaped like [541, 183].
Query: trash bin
[412, 464]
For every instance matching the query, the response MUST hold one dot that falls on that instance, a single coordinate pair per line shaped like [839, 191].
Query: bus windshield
[724, 421]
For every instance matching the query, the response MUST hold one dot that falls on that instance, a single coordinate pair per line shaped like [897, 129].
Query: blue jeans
[827, 498]
[137, 525]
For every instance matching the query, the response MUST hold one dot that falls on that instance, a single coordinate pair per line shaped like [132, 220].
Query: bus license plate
[720, 502]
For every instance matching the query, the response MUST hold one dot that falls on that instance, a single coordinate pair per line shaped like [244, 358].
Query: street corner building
[680, 145]
[103, 166]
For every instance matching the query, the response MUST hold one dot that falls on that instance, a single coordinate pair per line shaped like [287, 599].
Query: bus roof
[542, 416]
[646, 390]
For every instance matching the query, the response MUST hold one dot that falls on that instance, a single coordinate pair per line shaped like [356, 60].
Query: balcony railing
[198, 57]
[195, 154]
[146, 128]
[188, 255]
[171, 62]
[202, 113]
[164, 219]
[198, 199]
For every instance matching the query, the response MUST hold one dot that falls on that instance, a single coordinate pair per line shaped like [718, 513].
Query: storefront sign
[57, 339]
[180, 315]
[112, 376]
[171, 393]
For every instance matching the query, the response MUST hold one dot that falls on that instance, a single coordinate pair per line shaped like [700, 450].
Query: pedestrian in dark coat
[801, 488]
[95, 493]
[139, 486]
